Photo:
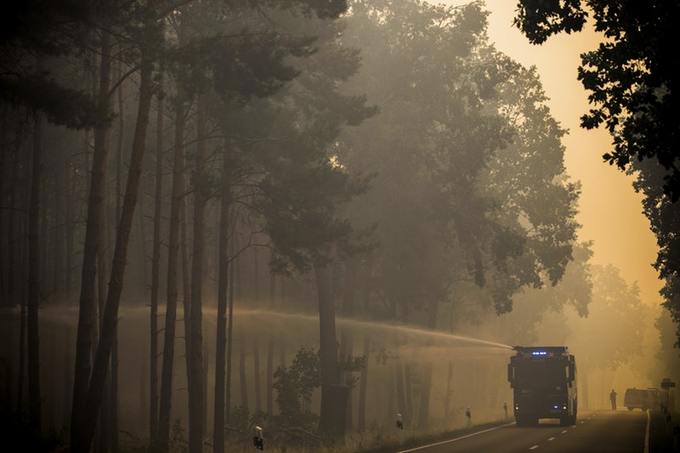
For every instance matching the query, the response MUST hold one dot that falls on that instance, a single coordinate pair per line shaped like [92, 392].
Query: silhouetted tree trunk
[34, 399]
[224, 232]
[447, 397]
[328, 351]
[270, 376]
[401, 389]
[22, 355]
[425, 392]
[155, 270]
[196, 389]
[408, 394]
[256, 375]
[243, 383]
[69, 227]
[347, 349]
[230, 327]
[87, 308]
[81, 438]
[363, 384]
[163, 434]
[349, 287]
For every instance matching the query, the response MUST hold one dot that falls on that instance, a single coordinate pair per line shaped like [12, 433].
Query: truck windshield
[540, 373]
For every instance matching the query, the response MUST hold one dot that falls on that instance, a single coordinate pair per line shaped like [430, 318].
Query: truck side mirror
[572, 372]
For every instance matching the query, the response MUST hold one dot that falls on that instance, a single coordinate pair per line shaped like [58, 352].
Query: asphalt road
[601, 432]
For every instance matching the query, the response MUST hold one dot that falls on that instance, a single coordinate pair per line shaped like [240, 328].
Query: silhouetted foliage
[633, 82]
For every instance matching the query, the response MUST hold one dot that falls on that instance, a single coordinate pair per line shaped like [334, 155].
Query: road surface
[601, 432]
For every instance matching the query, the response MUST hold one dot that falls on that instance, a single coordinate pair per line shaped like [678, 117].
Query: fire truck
[543, 380]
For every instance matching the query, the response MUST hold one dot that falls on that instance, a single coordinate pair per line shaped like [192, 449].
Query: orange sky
[610, 210]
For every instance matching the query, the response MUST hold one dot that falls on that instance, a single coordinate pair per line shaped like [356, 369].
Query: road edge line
[456, 439]
[646, 449]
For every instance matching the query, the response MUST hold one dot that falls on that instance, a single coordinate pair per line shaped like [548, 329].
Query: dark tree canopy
[633, 78]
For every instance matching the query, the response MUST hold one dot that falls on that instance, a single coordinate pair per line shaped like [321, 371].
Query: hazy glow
[610, 210]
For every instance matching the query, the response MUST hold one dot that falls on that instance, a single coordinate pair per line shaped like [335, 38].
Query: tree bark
[163, 434]
[155, 271]
[401, 388]
[93, 232]
[196, 410]
[363, 385]
[243, 383]
[84, 427]
[230, 327]
[257, 374]
[34, 400]
[425, 392]
[447, 398]
[270, 376]
[223, 289]
[328, 351]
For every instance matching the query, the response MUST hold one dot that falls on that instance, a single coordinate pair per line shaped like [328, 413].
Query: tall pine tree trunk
[331, 403]
[87, 308]
[270, 376]
[222, 302]
[155, 272]
[363, 385]
[34, 400]
[230, 321]
[163, 434]
[243, 383]
[196, 389]
[84, 425]
[447, 397]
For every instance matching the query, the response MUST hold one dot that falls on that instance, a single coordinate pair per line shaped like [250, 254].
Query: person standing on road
[612, 398]
[468, 415]
[505, 410]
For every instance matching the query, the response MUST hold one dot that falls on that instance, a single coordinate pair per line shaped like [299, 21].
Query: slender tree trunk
[84, 427]
[87, 307]
[256, 375]
[60, 227]
[328, 352]
[409, 415]
[401, 389]
[34, 399]
[196, 389]
[163, 434]
[222, 301]
[243, 383]
[69, 225]
[230, 320]
[270, 376]
[349, 287]
[425, 391]
[22, 356]
[155, 271]
[391, 377]
[363, 385]
[447, 398]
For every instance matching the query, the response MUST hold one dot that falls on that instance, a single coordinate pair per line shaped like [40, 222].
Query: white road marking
[564, 432]
[582, 422]
[423, 447]
[550, 439]
[534, 447]
[646, 450]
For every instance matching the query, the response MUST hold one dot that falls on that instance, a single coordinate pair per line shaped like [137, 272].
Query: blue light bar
[539, 353]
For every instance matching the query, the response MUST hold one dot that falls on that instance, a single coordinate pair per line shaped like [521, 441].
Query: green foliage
[470, 183]
[294, 386]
